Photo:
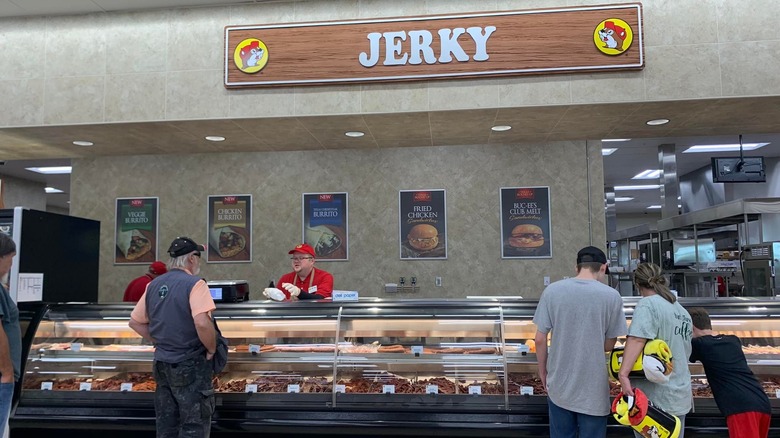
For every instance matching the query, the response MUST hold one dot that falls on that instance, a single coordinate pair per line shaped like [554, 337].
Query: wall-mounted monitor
[738, 169]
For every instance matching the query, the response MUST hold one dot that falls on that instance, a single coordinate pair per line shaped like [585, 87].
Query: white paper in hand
[274, 294]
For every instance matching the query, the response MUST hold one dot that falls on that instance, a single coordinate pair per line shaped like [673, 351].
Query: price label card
[432, 389]
[388, 389]
[251, 388]
[47, 386]
[523, 349]
[341, 388]
[293, 388]
[254, 349]
[85, 386]
[526, 390]
[475, 390]
[417, 350]
[126, 386]
[76, 346]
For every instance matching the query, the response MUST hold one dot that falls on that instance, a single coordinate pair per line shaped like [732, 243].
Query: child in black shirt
[738, 394]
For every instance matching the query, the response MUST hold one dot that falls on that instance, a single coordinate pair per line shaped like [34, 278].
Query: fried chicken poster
[325, 225]
[525, 222]
[229, 233]
[135, 238]
[423, 224]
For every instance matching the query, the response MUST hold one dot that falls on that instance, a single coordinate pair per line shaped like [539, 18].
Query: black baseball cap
[182, 246]
[591, 254]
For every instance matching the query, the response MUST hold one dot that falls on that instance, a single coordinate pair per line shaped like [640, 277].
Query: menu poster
[525, 223]
[325, 225]
[135, 238]
[229, 229]
[423, 224]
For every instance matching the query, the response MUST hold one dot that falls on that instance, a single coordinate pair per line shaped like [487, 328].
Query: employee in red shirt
[305, 282]
[137, 287]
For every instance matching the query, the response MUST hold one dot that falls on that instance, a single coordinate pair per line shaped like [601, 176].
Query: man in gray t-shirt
[585, 317]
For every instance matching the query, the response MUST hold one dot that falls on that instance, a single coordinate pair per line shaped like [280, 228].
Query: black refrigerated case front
[65, 249]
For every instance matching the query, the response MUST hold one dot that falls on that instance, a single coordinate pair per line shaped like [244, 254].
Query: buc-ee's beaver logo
[251, 55]
[613, 36]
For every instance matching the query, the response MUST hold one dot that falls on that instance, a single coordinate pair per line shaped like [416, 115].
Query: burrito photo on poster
[227, 241]
[133, 244]
[323, 239]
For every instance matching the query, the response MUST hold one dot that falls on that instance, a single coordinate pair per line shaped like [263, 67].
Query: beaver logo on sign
[613, 36]
[251, 55]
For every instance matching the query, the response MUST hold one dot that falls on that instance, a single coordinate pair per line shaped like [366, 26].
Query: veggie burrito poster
[423, 224]
[325, 225]
[229, 229]
[525, 223]
[135, 238]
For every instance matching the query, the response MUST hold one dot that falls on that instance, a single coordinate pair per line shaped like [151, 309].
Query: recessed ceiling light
[354, 134]
[648, 174]
[608, 151]
[724, 147]
[623, 198]
[657, 122]
[52, 190]
[51, 170]
[501, 128]
[614, 139]
[643, 187]
[83, 143]
[215, 138]
[655, 207]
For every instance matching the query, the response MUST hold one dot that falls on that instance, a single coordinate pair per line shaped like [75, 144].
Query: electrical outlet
[437, 281]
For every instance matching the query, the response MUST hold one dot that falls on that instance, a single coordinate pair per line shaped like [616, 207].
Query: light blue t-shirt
[656, 318]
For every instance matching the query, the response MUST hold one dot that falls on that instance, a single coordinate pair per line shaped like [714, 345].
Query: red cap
[157, 268]
[304, 248]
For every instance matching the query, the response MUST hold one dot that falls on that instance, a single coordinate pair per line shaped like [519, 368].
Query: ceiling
[691, 122]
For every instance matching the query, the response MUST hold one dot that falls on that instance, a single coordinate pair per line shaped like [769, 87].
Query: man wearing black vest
[174, 314]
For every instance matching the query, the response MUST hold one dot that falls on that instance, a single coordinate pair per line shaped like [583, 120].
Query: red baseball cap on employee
[304, 248]
[157, 268]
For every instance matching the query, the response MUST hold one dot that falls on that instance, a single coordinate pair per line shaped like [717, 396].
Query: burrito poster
[136, 230]
[325, 225]
[525, 223]
[229, 229]
[423, 224]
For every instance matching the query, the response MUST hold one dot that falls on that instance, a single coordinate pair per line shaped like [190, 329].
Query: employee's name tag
[344, 295]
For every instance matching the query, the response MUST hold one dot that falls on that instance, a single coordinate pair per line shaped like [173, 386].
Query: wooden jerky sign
[533, 42]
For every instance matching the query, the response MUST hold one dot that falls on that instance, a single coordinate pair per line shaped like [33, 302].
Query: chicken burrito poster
[525, 223]
[135, 238]
[325, 225]
[423, 224]
[229, 229]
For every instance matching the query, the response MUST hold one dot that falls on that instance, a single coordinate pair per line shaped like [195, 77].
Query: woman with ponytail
[658, 315]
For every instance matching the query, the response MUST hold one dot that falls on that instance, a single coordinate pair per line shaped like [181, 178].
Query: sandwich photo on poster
[325, 225]
[423, 224]
[229, 229]
[135, 238]
[525, 222]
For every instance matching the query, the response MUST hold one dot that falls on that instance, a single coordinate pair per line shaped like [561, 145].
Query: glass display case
[464, 366]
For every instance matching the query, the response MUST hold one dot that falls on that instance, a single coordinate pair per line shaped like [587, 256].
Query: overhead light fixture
[83, 143]
[53, 190]
[724, 147]
[608, 140]
[657, 122]
[655, 207]
[607, 151]
[623, 198]
[215, 138]
[648, 174]
[642, 187]
[354, 134]
[51, 170]
[501, 128]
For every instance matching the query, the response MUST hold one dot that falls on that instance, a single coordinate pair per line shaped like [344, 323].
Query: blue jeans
[6, 397]
[570, 424]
